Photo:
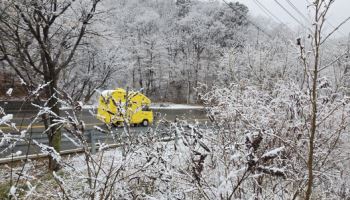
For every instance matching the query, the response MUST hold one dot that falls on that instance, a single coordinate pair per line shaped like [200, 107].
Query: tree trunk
[317, 40]
[54, 135]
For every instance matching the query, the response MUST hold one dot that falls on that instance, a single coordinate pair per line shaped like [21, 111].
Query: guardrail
[92, 137]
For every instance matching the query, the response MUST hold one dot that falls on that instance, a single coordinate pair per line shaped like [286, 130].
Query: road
[22, 119]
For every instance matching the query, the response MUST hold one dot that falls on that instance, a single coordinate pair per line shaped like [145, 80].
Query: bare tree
[92, 69]
[39, 40]
[312, 69]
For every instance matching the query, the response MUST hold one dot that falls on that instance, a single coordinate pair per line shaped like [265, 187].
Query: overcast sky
[339, 11]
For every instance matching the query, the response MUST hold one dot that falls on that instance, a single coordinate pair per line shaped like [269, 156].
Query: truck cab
[118, 106]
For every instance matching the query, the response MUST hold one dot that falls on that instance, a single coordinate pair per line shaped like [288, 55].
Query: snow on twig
[48, 150]
[272, 154]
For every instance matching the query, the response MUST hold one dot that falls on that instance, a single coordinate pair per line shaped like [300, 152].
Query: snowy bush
[279, 119]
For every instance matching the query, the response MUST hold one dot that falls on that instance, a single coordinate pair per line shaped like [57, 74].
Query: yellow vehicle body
[114, 108]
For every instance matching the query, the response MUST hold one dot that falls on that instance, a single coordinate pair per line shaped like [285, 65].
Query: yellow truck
[119, 106]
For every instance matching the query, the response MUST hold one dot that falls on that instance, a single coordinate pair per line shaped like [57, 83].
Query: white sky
[339, 11]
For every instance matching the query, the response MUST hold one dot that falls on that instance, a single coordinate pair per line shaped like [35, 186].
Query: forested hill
[170, 48]
[167, 47]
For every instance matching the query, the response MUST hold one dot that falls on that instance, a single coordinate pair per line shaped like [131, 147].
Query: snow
[273, 170]
[273, 153]
[236, 173]
[99, 129]
[13, 191]
[107, 92]
[23, 133]
[48, 150]
[255, 108]
[57, 177]
[22, 81]
[6, 118]
[72, 140]
[31, 189]
[39, 88]
[9, 92]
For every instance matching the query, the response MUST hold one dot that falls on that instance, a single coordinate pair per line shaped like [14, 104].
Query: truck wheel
[118, 124]
[145, 123]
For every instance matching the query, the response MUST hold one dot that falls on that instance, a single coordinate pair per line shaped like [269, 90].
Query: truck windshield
[145, 108]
